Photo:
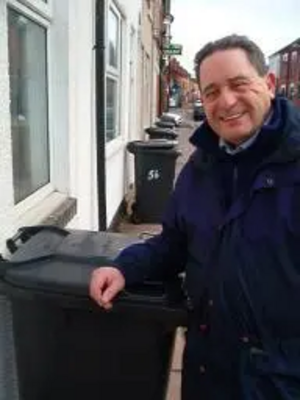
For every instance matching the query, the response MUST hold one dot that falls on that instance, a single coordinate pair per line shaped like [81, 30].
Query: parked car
[171, 117]
[198, 111]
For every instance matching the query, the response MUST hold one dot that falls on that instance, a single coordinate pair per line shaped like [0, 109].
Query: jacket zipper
[234, 183]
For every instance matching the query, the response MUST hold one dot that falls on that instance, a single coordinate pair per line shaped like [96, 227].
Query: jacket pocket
[271, 375]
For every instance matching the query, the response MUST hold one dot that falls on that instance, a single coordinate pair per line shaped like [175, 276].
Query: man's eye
[211, 94]
[240, 84]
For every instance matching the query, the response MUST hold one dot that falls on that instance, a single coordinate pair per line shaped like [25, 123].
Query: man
[233, 226]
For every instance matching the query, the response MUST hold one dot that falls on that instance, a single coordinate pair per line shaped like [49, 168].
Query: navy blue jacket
[233, 225]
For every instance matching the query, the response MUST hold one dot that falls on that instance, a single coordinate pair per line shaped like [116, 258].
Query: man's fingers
[107, 306]
[110, 292]
[105, 284]
[96, 288]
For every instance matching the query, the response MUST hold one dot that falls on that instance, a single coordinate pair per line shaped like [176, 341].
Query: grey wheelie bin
[67, 347]
[155, 162]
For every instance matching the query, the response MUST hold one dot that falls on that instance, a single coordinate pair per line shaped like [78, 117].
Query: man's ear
[271, 83]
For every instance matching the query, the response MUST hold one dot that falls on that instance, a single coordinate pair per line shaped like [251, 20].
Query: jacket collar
[284, 127]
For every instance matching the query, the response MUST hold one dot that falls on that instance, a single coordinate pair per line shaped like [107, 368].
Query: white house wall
[58, 94]
[6, 197]
[117, 169]
[155, 84]
[81, 111]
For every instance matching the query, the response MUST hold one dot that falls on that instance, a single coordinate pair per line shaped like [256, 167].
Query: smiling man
[236, 89]
[233, 226]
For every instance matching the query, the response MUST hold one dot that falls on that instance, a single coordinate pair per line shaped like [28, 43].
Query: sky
[272, 24]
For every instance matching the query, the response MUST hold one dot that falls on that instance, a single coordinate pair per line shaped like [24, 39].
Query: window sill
[114, 146]
[56, 209]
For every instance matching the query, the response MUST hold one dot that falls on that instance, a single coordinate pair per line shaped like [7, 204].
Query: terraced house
[79, 79]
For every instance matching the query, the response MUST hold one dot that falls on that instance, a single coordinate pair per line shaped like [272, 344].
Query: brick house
[285, 63]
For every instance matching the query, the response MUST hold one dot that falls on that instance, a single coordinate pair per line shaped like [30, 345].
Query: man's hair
[253, 52]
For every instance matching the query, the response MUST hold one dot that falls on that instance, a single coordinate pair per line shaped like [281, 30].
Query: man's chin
[237, 137]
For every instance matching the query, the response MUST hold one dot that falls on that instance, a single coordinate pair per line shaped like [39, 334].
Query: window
[113, 76]
[27, 42]
[285, 57]
[111, 109]
[291, 93]
[282, 91]
[113, 39]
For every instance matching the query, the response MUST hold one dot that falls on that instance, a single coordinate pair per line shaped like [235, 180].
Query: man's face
[235, 98]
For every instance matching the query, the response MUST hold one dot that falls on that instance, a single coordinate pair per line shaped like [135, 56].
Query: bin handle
[26, 232]
[137, 297]
[170, 291]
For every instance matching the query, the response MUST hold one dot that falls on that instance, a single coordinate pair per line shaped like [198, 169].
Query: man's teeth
[230, 117]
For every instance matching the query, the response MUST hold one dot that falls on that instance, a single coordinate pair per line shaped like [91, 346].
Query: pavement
[125, 226]
[184, 132]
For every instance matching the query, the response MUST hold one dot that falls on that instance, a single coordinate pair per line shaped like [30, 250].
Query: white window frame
[116, 75]
[34, 9]
[41, 13]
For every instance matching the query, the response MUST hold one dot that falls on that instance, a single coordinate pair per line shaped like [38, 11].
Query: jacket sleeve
[163, 255]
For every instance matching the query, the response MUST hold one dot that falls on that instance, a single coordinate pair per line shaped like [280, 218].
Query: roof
[295, 43]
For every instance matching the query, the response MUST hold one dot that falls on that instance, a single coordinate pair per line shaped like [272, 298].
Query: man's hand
[105, 284]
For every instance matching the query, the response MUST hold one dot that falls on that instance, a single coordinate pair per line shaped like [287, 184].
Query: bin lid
[50, 261]
[166, 124]
[61, 266]
[159, 129]
[152, 144]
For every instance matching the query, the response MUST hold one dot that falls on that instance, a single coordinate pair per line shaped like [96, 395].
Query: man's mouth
[232, 117]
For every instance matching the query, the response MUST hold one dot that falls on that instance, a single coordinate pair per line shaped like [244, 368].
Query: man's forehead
[225, 60]
[226, 53]
[225, 66]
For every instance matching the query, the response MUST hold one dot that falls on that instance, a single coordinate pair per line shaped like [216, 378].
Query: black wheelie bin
[156, 132]
[165, 124]
[8, 375]
[67, 347]
[154, 167]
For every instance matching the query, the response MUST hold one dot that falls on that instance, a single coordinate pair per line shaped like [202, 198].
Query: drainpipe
[161, 83]
[100, 113]
[166, 40]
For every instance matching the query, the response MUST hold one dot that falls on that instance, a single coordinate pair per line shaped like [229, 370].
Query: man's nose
[227, 98]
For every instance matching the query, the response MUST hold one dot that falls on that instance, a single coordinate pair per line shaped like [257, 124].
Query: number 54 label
[153, 174]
